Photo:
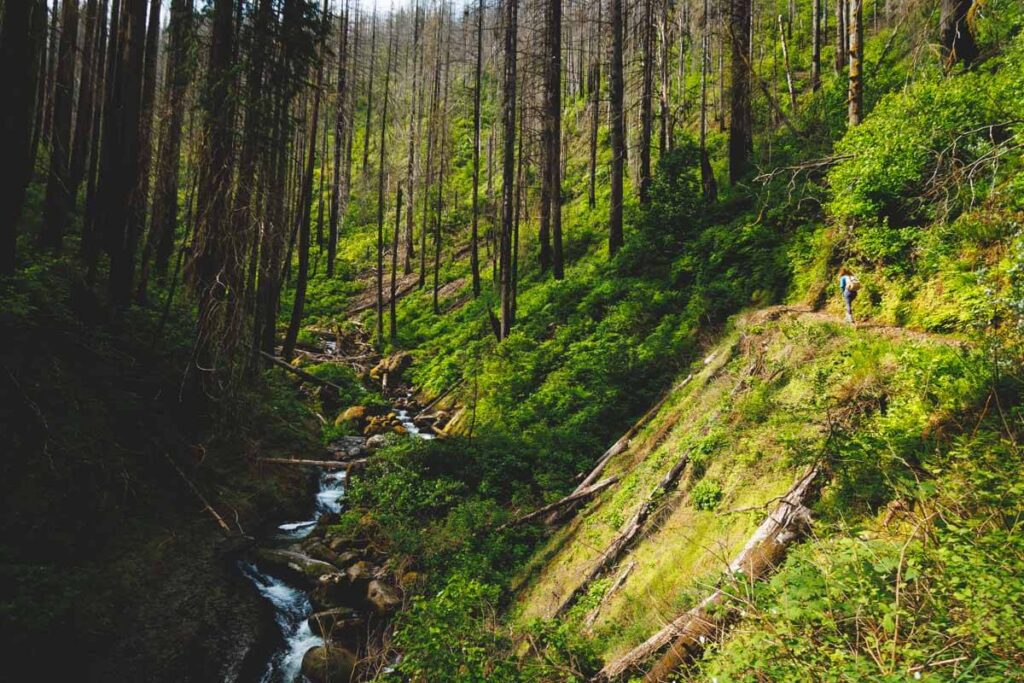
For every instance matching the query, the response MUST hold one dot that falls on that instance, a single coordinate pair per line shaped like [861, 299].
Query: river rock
[335, 590]
[392, 367]
[319, 551]
[376, 441]
[297, 566]
[382, 597]
[355, 415]
[331, 624]
[361, 573]
[328, 664]
[348, 447]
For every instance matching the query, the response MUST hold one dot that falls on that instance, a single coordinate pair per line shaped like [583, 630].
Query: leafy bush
[706, 494]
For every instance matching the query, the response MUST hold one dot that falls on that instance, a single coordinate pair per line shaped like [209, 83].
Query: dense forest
[512, 340]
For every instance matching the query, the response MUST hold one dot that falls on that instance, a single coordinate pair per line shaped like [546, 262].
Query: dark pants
[848, 298]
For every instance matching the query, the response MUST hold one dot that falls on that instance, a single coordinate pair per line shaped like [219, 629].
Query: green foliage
[706, 494]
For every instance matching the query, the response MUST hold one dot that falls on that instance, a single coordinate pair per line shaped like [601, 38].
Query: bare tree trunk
[707, 174]
[785, 61]
[58, 199]
[305, 213]
[435, 96]
[815, 45]
[646, 96]
[121, 139]
[380, 186]
[840, 36]
[508, 164]
[474, 256]
[856, 86]
[394, 268]
[146, 140]
[741, 139]
[415, 118]
[22, 36]
[554, 123]
[369, 89]
[341, 95]
[595, 108]
[618, 139]
[443, 122]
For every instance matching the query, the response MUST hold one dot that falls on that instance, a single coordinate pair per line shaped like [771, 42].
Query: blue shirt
[842, 284]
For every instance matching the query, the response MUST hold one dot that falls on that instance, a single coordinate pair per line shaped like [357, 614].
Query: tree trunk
[741, 138]
[435, 96]
[369, 90]
[58, 199]
[785, 61]
[164, 221]
[474, 256]
[22, 36]
[381, 191]
[595, 109]
[856, 92]
[955, 33]
[341, 95]
[618, 140]
[443, 121]
[305, 213]
[707, 174]
[508, 164]
[394, 268]
[840, 36]
[146, 140]
[122, 184]
[415, 117]
[646, 97]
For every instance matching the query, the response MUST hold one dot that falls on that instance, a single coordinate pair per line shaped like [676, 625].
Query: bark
[58, 197]
[762, 553]
[785, 61]
[474, 255]
[617, 125]
[380, 191]
[741, 138]
[443, 122]
[299, 372]
[646, 97]
[508, 164]
[90, 228]
[955, 33]
[305, 214]
[856, 85]
[22, 36]
[573, 498]
[595, 109]
[122, 183]
[415, 119]
[369, 90]
[324, 464]
[435, 96]
[341, 96]
[707, 174]
[146, 140]
[840, 60]
[88, 87]
[816, 45]
[394, 267]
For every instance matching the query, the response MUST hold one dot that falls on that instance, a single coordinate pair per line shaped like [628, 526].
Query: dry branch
[761, 554]
[620, 580]
[633, 530]
[571, 498]
[301, 373]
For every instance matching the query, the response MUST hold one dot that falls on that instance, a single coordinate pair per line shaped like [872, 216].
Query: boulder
[382, 597]
[399, 429]
[376, 441]
[328, 664]
[348, 447]
[331, 624]
[355, 415]
[361, 573]
[335, 590]
[392, 367]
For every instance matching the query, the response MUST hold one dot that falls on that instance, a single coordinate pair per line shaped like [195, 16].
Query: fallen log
[621, 445]
[301, 373]
[624, 539]
[685, 636]
[436, 400]
[325, 464]
[591, 617]
[571, 498]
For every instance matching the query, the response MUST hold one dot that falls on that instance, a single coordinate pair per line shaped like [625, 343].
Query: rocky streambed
[331, 598]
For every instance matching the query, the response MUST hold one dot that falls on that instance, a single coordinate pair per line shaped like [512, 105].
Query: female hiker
[848, 286]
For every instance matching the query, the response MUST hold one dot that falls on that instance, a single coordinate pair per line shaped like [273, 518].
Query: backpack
[852, 283]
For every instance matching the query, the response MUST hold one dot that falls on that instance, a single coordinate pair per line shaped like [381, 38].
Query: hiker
[848, 286]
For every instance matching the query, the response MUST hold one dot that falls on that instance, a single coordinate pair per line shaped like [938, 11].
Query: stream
[291, 604]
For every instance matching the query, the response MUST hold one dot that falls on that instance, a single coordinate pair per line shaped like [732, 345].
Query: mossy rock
[328, 664]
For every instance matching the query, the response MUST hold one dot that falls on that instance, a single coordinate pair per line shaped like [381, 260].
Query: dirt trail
[808, 314]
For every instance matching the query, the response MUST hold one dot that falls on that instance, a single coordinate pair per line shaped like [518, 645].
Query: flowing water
[291, 605]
